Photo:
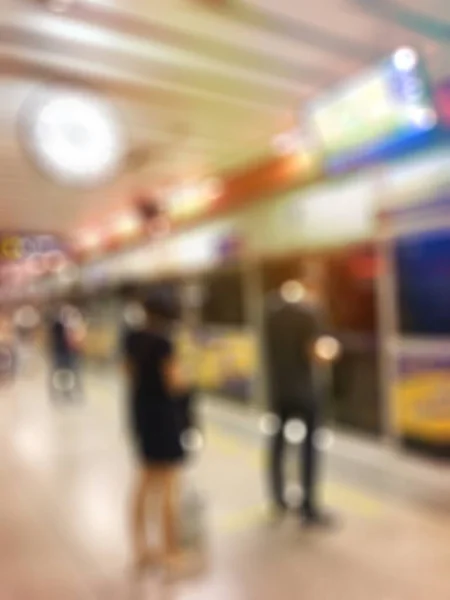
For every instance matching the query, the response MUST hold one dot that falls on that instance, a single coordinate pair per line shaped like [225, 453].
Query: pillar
[254, 313]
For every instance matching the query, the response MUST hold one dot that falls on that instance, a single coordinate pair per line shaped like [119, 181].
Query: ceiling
[202, 85]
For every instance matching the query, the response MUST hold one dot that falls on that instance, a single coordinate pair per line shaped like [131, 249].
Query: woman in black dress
[154, 381]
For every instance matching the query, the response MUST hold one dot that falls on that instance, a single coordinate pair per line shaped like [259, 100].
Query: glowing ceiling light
[90, 240]
[286, 143]
[194, 198]
[405, 59]
[423, 117]
[126, 225]
[75, 138]
[211, 188]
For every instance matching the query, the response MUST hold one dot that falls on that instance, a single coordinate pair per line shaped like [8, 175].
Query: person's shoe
[145, 560]
[182, 565]
[316, 518]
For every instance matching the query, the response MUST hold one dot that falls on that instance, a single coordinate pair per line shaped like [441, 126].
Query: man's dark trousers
[307, 457]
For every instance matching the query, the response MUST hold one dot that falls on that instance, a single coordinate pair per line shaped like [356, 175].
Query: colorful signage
[20, 247]
[422, 397]
[375, 113]
[25, 257]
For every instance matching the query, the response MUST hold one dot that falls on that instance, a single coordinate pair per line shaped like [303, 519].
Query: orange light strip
[210, 198]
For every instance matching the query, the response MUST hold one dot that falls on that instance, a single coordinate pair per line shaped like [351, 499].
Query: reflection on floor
[65, 474]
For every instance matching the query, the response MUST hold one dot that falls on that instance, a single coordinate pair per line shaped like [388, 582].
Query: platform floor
[65, 476]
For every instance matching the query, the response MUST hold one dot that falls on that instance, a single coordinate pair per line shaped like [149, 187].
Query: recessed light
[405, 59]
[423, 117]
[74, 137]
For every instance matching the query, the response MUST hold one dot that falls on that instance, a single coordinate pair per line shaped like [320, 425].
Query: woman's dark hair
[128, 291]
[161, 306]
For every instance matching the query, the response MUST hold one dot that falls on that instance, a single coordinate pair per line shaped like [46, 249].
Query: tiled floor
[65, 475]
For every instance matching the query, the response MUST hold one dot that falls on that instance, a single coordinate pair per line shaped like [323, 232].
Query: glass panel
[423, 283]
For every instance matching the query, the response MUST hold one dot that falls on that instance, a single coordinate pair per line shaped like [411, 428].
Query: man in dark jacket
[294, 331]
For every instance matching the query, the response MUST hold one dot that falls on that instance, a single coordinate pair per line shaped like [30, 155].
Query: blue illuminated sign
[379, 113]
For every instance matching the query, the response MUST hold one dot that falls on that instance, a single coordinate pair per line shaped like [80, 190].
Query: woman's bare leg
[170, 503]
[139, 515]
[163, 483]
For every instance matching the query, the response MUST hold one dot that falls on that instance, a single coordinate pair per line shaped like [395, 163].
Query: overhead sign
[375, 112]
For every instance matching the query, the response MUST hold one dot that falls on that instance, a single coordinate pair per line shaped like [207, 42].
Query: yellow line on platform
[244, 519]
[351, 500]
[342, 497]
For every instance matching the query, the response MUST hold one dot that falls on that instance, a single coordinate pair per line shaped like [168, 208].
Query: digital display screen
[390, 102]
[358, 116]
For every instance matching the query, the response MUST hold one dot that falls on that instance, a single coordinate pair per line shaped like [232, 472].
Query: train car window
[351, 291]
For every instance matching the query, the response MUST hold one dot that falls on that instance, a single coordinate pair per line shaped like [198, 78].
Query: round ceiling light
[405, 59]
[74, 137]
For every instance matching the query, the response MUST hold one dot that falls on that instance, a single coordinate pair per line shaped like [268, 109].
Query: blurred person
[295, 345]
[65, 337]
[132, 315]
[155, 381]
[7, 350]
[26, 322]
[131, 301]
